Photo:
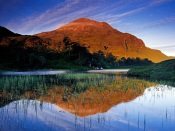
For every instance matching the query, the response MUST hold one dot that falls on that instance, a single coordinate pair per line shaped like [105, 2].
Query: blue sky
[151, 20]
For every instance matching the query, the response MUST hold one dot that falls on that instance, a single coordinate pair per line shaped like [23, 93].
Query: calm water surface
[153, 111]
[55, 72]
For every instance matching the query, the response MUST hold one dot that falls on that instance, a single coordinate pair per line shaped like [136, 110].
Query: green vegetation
[14, 87]
[18, 57]
[162, 71]
[78, 82]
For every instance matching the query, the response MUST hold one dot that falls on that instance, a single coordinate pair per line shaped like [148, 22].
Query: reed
[77, 82]
[72, 84]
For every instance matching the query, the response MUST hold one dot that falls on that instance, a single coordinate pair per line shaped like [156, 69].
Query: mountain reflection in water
[89, 102]
[154, 110]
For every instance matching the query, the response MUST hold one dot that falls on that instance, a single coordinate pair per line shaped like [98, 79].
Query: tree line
[15, 56]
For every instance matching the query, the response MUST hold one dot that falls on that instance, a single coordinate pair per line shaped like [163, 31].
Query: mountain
[96, 36]
[101, 36]
[24, 52]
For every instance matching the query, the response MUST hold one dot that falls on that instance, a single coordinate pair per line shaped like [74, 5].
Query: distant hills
[8, 38]
[93, 35]
[6, 33]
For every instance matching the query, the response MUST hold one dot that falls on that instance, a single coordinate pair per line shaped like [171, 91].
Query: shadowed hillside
[6, 33]
[32, 52]
[161, 71]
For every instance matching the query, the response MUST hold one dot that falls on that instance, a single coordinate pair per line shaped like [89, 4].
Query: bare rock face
[101, 36]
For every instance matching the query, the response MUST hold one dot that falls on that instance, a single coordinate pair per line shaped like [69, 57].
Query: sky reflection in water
[154, 110]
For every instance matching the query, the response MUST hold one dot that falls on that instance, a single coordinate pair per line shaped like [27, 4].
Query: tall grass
[77, 82]
[13, 87]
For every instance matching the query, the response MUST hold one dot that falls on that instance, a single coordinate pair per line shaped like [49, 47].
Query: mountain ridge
[4, 32]
[101, 36]
[95, 36]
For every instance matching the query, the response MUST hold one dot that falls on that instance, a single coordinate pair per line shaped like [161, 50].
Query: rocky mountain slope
[101, 36]
[96, 36]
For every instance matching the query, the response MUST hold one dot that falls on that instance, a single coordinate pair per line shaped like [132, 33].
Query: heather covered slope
[101, 36]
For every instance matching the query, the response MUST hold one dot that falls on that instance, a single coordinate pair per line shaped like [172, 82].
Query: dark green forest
[74, 56]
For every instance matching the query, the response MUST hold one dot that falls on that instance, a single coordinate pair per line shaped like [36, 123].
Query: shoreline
[56, 72]
[110, 71]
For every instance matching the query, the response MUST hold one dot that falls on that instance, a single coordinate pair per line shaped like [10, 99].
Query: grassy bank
[19, 84]
[164, 71]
